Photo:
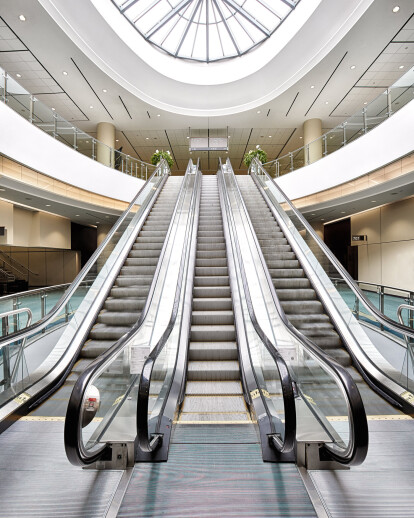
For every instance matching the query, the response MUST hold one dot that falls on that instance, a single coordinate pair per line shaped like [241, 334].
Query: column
[312, 129]
[105, 134]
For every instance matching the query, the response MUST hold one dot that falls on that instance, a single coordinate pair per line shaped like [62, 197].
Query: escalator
[313, 306]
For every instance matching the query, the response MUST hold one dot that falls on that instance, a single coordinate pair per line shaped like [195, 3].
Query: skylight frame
[216, 15]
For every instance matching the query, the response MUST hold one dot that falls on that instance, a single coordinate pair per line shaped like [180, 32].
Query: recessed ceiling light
[158, 115]
[77, 215]
[104, 90]
[146, 138]
[91, 107]
[228, 136]
[22, 17]
[322, 219]
[401, 66]
[343, 212]
[258, 111]
[330, 137]
[366, 102]
[47, 205]
[312, 86]
[53, 109]
[97, 222]
[352, 67]
[373, 201]
[326, 102]
[64, 73]
[270, 136]
[18, 75]
[300, 137]
[117, 140]
[87, 141]
[313, 214]
[396, 9]
[188, 137]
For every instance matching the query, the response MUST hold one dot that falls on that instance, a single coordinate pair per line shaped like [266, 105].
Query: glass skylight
[206, 30]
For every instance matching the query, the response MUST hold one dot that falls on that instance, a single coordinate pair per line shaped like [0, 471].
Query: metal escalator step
[287, 273]
[217, 417]
[268, 251]
[210, 404]
[138, 270]
[94, 348]
[81, 365]
[212, 303]
[216, 333]
[210, 240]
[213, 351]
[301, 319]
[142, 254]
[152, 233]
[202, 292]
[340, 355]
[211, 254]
[128, 280]
[211, 280]
[210, 317]
[141, 261]
[283, 283]
[214, 234]
[113, 318]
[326, 341]
[284, 264]
[269, 242]
[217, 387]
[148, 246]
[301, 306]
[211, 246]
[124, 304]
[147, 239]
[296, 294]
[212, 262]
[208, 271]
[103, 332]
[272, 262]
[213, 371]
[129, 291]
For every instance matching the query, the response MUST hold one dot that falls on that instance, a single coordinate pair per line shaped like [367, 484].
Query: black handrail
[144, 442]
[23, 333]
[289, 441]
[358, 448]
[383, 319]
[75, 451]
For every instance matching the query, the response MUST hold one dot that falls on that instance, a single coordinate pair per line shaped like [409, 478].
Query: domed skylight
[206, 30]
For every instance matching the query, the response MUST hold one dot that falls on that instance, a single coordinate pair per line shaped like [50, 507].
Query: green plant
[156, 157]
[259, 153]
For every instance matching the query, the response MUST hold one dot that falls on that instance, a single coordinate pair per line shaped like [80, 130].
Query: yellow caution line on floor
[50, 418]
[392, 417]
[213, 422]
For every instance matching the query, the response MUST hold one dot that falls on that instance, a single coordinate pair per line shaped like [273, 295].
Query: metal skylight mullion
[198, 24]
[127, 6]
[244, 29]
[190, 21]
[227, 28]
[266, 6]
[218, 32]
[167, 18]
[291, 4]
[207, 33]
[147, 10]
[247, 16]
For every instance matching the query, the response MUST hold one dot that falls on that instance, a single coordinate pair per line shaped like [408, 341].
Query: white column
[312, 130]
[105, 133]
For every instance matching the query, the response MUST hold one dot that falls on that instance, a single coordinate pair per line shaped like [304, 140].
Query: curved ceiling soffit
[114, 57]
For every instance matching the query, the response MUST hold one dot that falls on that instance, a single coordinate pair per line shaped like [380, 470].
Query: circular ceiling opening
[206, 30]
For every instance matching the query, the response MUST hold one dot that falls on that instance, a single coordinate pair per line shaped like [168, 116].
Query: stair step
[212, 371]
[213, 333]
[296, 294]
[212, 303]
[213, 351]
[213, 318]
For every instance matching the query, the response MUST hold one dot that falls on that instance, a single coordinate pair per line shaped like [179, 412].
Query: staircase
[295, 292]
[213, 391]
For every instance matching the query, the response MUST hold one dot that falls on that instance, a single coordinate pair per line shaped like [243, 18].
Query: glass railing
[391, 370]
[46, 119]
[114, 378]
[316, 376]
[360, 123]
[78, 304]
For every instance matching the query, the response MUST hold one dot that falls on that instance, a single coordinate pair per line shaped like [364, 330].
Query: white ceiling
[37, 49]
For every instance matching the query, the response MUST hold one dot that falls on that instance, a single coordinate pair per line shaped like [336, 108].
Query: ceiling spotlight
[188, 137]
[117, 140]
[158, 115]
[87, 141]
[326, 102]
[396, 9]
[64, 73]
[373, 201]
[352, 67]
[322, 219]
[77, 215]
[22, 17]
[104, 90]
[228, 136]
[366, 102]
[47, 205]
[300, 137]
[146, 138]
[97, 222]
[312, 86]
[343, 212]
[53, 109]
[258, 111]
[18, 75]
[401, 66]
[313, 214]
[91, 107]
[270, 136]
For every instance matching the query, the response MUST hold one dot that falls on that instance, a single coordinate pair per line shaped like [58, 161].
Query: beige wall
[387, 257]
[6, 220]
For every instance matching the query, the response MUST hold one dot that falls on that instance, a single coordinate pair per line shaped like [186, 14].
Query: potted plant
[156, 158]
[259, 153]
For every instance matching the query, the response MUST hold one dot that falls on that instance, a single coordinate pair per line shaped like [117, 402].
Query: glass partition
[74, 304]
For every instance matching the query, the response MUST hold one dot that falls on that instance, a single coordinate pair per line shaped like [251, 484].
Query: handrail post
[389, 103]
[291, 160]
[364, 115]
[356, 307]
[307, 152]
[43, 308]
[382, 302]
[5, 87]
[93, 149]
[325, 145]
[66, 312]
[54, 125]
[344, 134]
[75, 138]
[31, 109]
